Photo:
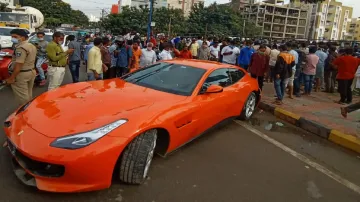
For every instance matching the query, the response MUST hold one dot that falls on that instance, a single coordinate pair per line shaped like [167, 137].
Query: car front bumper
[61, 170]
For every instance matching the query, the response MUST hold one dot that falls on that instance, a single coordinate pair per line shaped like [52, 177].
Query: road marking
[1, 87]
[303, 158]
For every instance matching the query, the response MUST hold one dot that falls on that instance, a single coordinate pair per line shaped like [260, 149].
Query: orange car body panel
[81, 107]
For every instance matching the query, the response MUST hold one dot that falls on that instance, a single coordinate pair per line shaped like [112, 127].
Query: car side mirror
[214, 89]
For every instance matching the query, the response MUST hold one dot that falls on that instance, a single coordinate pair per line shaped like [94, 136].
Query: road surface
[238, 162]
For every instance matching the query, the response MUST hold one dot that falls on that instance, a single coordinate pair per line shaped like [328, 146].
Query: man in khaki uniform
[23, 77]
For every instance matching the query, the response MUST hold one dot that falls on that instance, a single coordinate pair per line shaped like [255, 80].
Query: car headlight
[84, 139]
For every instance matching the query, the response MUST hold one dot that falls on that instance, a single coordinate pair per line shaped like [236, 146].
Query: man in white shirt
[230, 53]
[291, 48]
[148, 56]
[214, 51]
[165, 54]
[274, 53]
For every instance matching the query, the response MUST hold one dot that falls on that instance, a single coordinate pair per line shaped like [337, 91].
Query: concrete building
[139, 3]
[279, 20]
[333, 20]
[184, 5]
[353, 33]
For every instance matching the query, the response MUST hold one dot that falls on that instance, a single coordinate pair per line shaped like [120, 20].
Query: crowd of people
[291, 65]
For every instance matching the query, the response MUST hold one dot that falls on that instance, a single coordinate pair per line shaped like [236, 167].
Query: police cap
[19, 32]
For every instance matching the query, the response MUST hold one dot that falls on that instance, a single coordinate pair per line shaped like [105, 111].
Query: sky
[93, 7]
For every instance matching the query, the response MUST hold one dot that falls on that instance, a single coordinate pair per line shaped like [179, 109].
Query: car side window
[235, 75]
[218, 77]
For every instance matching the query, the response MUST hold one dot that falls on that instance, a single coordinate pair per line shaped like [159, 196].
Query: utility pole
[169, 32]
[150, 20]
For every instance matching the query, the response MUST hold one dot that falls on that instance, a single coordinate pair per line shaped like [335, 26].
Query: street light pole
[150, 19]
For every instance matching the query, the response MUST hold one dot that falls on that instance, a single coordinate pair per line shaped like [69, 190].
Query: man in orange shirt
[135, 64]
[346, 66]
[185, 53]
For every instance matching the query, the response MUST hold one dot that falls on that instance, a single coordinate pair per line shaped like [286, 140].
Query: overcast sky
[94, 6]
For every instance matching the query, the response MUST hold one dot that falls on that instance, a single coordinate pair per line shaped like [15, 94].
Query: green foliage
[57, 12]
[3, 7]
[219, 20]
[309, 1]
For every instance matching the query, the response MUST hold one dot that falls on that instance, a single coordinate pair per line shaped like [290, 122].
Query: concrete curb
[337, 137]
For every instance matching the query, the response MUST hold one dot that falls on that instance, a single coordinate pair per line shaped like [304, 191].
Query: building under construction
[279, 20]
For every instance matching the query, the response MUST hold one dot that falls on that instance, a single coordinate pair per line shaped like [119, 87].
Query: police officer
[23, 77]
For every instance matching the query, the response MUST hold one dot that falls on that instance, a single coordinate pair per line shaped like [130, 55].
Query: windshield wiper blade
[137, 79]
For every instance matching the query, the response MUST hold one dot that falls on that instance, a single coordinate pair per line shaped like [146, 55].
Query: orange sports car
[79, 136]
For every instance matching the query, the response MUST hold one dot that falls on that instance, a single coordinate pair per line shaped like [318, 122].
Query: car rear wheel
[136, 158]
[249, 107]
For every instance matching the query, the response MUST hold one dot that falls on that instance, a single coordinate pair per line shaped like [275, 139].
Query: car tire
[249, 107]
[136, 158]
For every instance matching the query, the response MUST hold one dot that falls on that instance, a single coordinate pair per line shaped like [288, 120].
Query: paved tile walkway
[319, 107]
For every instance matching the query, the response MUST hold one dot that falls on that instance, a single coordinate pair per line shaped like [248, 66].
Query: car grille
[36, 167]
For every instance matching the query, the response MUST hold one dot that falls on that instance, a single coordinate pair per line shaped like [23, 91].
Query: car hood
[85, 106]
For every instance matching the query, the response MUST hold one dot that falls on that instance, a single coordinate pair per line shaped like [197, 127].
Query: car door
[237, 91]
[212, 106]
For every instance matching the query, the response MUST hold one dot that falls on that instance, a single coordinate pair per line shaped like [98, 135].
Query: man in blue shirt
[88, 47]
[319, 77]
[123, 53]
[245, 55]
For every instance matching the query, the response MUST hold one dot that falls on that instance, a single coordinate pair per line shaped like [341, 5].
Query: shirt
[322, 57]
[273, 57]
[194, 48]
[215, 51]
[112, 55]
[76, 55]
[296, 55]
[230, 59]
[347, 66]
[42, 50]
[56, 55]
[125, 53]
[25, 53]
[165, 55]
[88, 47]
[136, 54]
[312, 61]
[105, 55]
[94, 62]
[148, 57]
[245, 55]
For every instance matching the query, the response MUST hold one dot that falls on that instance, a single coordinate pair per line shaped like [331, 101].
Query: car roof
[208, 65]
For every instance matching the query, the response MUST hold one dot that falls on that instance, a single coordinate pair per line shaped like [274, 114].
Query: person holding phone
[57, 60]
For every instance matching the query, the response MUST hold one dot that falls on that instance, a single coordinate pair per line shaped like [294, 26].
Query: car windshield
[167, 77]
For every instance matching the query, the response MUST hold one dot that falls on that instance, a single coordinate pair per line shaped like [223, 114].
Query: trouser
[23, 86]
[120, 71]
[297, 78]
[56, 76]
[309, 79]
[74, 67]
[91, 76]
[352, 107]
[260, 80]
[111, 73]
[279, 85]
[107, 73]
[344, 89]
[246, 67]
[330, 79]
[39, 62]
[291, 79]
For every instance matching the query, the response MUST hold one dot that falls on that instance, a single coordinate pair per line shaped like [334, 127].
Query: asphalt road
[231, 164]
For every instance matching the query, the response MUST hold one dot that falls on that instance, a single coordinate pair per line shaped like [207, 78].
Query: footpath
[318, 114]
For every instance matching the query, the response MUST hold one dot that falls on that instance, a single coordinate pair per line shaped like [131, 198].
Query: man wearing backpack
[123, 53]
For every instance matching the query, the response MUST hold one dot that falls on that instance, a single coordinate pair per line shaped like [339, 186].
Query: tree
[57, 12]
[3, 7]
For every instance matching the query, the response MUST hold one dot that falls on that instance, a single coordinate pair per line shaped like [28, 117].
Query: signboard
[152, 24]
[67, 25]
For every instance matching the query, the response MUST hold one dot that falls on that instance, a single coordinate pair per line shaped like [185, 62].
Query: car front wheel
[249, 107]
[136, 158]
